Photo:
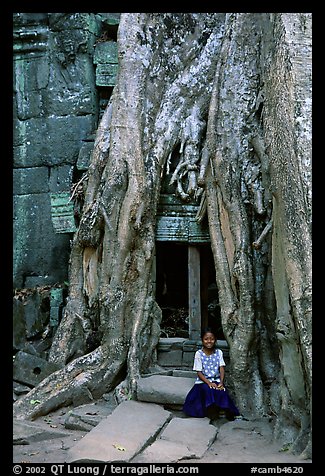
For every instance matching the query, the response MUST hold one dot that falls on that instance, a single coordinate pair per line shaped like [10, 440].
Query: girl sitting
[208, 395]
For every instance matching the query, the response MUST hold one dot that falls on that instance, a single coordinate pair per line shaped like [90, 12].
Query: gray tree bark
[231, 94]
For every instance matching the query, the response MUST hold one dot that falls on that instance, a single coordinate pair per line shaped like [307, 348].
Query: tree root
[83, 380]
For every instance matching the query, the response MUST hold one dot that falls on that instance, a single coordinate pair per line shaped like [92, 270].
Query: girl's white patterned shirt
[208, 364]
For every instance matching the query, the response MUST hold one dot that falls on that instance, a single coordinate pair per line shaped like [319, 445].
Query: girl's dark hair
[208, 329]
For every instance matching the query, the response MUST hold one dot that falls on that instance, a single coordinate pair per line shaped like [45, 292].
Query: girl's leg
[213, 412]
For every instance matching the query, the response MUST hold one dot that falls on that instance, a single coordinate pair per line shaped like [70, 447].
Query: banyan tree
[219, 106]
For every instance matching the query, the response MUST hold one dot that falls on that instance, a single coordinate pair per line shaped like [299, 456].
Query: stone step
[182, 438]
[122, 435]
[164, 389]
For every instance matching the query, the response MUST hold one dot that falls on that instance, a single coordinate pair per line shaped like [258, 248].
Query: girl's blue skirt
[201, 397]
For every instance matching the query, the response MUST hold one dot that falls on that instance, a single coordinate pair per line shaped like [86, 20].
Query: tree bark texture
[228, 95]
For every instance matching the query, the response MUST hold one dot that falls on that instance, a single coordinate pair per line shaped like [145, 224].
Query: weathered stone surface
[86, 417]
[85, 155]
[164, 451]
[30, 315]
[30, 78]
[171, 343]
[60, 178]
[121, 435]
[110, 18]
[67, 98]
[172, 358]
[63, 139]
[39, 347]
[55, 108]
[196, 433]
[106, 74]
[105, 52]
[62, 213]
[19, 330]
[22, 19]
[185, 373]
[25, 433]
[164, 389]
[30, 180]
[182, 438]
[41, 280]
[38, 249]
[188, 359]
[79, 21]
[31, 369]
[20, 389]
[55, 306]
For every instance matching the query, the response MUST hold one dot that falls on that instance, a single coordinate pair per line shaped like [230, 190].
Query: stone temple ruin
[64, 69]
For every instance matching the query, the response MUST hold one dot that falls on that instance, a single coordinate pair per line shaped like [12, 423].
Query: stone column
[194, 299]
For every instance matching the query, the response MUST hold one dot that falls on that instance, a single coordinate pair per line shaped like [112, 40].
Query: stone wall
[64, 68]
[176, 352]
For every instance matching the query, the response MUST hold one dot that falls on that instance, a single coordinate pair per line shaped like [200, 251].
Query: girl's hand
[220, 386]
[213, 385]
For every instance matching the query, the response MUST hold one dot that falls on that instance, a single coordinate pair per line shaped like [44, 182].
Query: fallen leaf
[119, 447]
[34, 402]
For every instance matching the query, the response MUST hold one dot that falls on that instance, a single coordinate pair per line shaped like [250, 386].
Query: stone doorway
[186, 290]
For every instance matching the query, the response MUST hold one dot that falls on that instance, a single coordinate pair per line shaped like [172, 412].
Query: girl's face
[208, 340]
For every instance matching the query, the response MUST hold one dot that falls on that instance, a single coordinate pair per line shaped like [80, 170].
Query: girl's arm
[205, 380]
[222, 373]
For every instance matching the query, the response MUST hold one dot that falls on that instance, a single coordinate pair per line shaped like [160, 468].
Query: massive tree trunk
[229, 95]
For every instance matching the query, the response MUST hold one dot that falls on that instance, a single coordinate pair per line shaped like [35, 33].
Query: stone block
[35, 312]
[24, 19]
[181, 228]
[166, 343]
[30, 180]
[55, 306]
[184, 373]
[51, 141]
[85, 417]
[84, 156]
[62, 211]
[106, 74]
[19, 330]
[164, 389]
[30, 369]
[192, 345]
[38, 347]
[31, 76]
[66, 98]
[105, 52]
[188, 359]
[60, 178]
[110, 18]
[38, 250]
[60, 22]
[34, 281]
[173, 358]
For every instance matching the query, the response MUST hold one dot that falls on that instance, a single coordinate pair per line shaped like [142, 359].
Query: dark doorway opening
[172, 289]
